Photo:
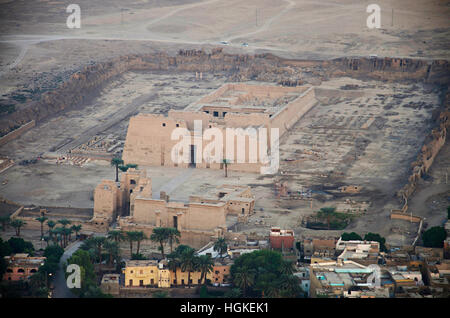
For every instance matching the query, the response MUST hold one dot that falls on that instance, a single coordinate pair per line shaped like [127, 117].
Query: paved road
[61, 290]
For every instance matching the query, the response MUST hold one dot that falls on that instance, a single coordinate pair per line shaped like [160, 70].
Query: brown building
[201, 219]
[21, 267]
[281, 239]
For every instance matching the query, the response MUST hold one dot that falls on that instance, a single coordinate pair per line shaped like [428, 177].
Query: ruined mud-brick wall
[430, 149]
[390, 69]
[70, 94]
[17, 132]
[83, 84]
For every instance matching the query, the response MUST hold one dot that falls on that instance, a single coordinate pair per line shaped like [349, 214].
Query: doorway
[192, 162]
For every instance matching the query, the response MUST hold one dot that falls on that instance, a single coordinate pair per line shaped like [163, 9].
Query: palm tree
[42, 219]
[98, 242]
[76, 229]
[58, 235]
[113, 250]
[64, 222]
[46, 239]
[244, 279]
[115, 162]
[174, 263]
[17, 224]
[287, 267]
[116, 235]
[328, 211]
[51, 224]
[139, 237]
[289, 285]
[131, 237]
[221, 246]
[205, 265]
[189, 263]
[67, 233]
[272, 291]
[160, 235]
[226, 162]
[173, 236]
[5, 220]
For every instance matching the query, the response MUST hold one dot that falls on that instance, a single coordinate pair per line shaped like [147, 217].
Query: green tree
[289, 286]
[57, 234]
[448, 212]
[244, 278]
[189, 263]
[76, 229]
[116, 235]
[205, 265]
[88, 278]
[113, 251]
[351, 237]
[259, 274]
[328, 212]
[17, 224]
[131, 237]
[41, 220]
[64, 222]
[434, 237]
[140, 236]
[115, 162]
[287, 268]
[53, 253]
[160, 235]
[174, 264]
[5, 220]
[225, 163]
[51, 224]
[377, 238]
[173, 236]
[64, 232]
[220, 246]
[98, 242]
[19, 245]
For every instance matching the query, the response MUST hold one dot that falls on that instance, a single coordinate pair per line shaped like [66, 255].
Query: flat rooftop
[244, 98]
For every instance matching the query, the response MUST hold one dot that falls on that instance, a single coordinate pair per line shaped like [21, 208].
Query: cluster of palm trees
[6, 221]
[103, 248]
[184, 258]
[163, 235]
[61, 234]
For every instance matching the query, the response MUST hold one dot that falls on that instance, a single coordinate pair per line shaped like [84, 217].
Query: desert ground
[367, 135]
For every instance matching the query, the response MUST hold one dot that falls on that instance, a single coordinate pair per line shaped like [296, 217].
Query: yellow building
[181, 278]
[141, 273]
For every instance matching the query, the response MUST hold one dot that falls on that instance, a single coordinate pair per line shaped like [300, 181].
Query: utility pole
[256, 16]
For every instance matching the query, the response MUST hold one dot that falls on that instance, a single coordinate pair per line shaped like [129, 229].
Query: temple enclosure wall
[429, 151]
[17, 132]
[260, 67]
